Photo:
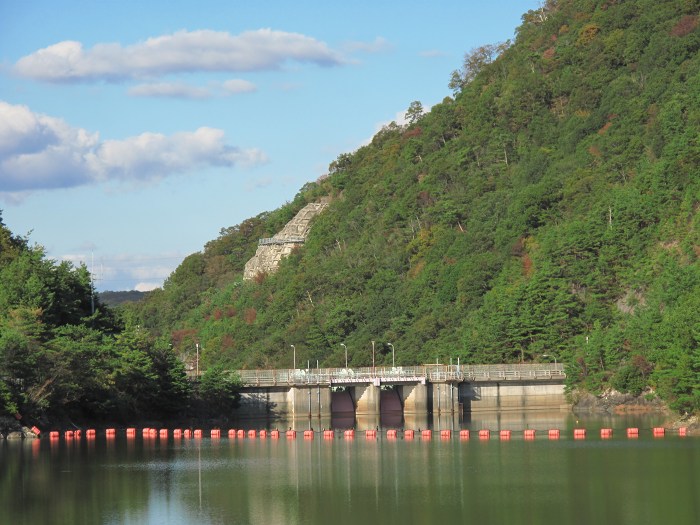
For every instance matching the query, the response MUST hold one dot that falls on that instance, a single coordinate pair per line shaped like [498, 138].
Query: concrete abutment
[412, 399]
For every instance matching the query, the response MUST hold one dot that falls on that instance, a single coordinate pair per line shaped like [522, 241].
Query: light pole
[393, 360]
[346, 354]
[373, 368]
[294, 350]
[552, 356]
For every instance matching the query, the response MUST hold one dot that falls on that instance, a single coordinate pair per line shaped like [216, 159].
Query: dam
[413, 391]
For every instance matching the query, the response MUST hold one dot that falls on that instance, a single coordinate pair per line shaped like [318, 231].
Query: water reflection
[266, 481]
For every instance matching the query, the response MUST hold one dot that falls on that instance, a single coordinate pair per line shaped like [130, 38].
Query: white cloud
[378, 45]
[147, 287]
[40, 152]
[183, 51]
[234, 86]
[128, 271]
[187, 91]
[169, 89]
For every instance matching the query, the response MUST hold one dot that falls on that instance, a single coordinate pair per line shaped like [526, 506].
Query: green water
[254, 481]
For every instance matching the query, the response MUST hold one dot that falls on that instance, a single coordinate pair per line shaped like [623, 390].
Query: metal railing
[281, 240]
[402, 374]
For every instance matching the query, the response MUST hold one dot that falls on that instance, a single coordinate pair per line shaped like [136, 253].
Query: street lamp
[294, 350]
[197, 362]
[393, 361]
[346, 354]
[552, 356]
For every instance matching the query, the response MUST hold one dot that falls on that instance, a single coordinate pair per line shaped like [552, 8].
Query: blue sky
[131, 132]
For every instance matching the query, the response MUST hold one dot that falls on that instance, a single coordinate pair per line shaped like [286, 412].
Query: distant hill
[117, 298]
[548, 209]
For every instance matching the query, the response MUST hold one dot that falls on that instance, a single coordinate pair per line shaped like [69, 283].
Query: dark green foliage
[60, 360]
[218, 392]
[549, 207]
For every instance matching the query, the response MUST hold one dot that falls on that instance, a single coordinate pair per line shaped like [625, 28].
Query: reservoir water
[263, 481]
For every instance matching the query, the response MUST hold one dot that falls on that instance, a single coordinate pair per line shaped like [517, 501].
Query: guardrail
[405, 374]
[281, 240]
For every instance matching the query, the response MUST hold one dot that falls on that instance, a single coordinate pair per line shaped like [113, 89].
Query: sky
[132, 132]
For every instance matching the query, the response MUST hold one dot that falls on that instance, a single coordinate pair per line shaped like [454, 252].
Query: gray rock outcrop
[272, 250]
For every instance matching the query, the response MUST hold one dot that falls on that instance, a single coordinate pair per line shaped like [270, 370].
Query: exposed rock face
[613, 402]
[271, 251]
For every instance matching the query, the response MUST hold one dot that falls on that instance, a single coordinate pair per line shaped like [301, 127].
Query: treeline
[63, 356]
[548, 209]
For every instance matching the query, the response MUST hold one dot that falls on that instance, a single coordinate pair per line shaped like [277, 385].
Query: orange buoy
[215, 433]
[263, 434]
[426, 434]
[232, 433]
[275, 434]
[187, 433]
[529, 434]
[464, 434]
[484, 434]
[446, 434]
[391, 434]
[328, 434]
[683, 431]
[606, 433]
[308, 434]
[505, 435]
[349, 434]
[198, 433]
[240, 434]
[69, 434]
[291, 434]
[163, 434]
[409, 434]
[177, 433]
[130, 432]
[54, 434]
[252, 434]
[90, 433]
[554, 433]
[579, 433]
[659, 432]
[632, 432]
[371, 434]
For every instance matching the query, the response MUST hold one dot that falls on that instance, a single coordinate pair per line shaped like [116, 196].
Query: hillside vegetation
[549, 208]
[65, 358]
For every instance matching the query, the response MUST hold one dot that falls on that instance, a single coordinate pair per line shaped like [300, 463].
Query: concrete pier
[414, 398]
[515, 395]
[367, 399]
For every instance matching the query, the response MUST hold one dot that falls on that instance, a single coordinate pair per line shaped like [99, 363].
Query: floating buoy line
[391, 434]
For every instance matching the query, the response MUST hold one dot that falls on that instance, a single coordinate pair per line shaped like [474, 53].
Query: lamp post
[552, 356]
[346, 354]
[294, 350]
[393, 360]
[197, 361]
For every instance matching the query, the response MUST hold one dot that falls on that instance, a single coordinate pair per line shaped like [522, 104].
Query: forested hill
[547, 208]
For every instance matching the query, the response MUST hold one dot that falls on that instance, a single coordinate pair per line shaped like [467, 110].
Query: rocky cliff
[272, 250]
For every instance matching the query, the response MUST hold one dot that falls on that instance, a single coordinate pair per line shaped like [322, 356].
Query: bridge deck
[406, 374]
